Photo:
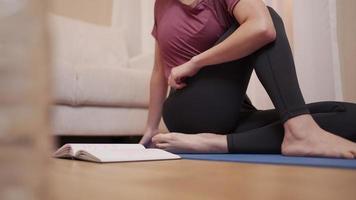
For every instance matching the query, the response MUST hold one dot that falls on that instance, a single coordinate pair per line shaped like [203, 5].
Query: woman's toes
[348, 155]
[354, 153]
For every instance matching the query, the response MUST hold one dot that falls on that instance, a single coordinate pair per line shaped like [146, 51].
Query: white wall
[147, 24]
[128, 16]
[346, 16]
[316, 50]
[93, 11]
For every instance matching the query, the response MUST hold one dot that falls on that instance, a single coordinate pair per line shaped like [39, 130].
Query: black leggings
[215, 100]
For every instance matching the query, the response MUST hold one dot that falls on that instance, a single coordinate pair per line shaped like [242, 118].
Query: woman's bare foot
[303, 137]
[197, 143]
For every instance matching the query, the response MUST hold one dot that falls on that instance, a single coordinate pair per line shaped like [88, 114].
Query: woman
[207, 110]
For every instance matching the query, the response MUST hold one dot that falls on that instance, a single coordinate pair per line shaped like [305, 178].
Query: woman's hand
[179, 73]
[146, 140]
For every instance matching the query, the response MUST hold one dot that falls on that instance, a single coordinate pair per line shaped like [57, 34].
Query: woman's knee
[276, 18]
[278, 22]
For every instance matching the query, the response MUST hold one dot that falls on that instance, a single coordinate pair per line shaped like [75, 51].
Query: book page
[71, 149]
[95, 148]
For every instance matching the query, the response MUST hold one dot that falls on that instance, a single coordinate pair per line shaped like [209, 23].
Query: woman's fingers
[181, 86]
[163, 146]
[145, 140]
[161, 138]
[172, 82]
[176, 83]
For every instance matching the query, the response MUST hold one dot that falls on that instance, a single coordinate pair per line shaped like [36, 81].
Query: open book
[112, 153]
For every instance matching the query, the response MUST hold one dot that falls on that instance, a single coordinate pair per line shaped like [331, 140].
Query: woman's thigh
[212, 100]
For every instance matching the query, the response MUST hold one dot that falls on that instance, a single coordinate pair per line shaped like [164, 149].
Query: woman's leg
[262, 131]
[275, 68]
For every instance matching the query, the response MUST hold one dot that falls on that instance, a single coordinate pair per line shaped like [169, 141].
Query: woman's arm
[255, 31]
[158, 93]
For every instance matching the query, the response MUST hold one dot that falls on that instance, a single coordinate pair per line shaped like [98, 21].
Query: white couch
[98, 89]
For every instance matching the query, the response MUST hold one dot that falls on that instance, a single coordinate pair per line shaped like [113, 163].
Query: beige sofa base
[99, 121]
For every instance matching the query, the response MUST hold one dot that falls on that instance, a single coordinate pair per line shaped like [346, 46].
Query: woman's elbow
[267, 33]
[271, 34]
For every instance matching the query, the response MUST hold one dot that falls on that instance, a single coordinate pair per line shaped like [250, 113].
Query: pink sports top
[183, 31]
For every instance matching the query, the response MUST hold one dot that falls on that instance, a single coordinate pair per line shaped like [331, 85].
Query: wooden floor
[186, 179]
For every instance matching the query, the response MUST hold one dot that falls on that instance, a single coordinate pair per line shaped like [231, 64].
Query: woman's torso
[184, 31]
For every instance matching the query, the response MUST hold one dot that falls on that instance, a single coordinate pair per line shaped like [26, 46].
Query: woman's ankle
[300, 127]
[216, 143]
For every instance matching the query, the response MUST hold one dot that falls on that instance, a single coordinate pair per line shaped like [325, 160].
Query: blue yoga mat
[274, 159]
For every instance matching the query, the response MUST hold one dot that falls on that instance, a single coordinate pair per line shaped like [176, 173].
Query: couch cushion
[142, 62]
[90, 66]
[81, 44]
[92, 86]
